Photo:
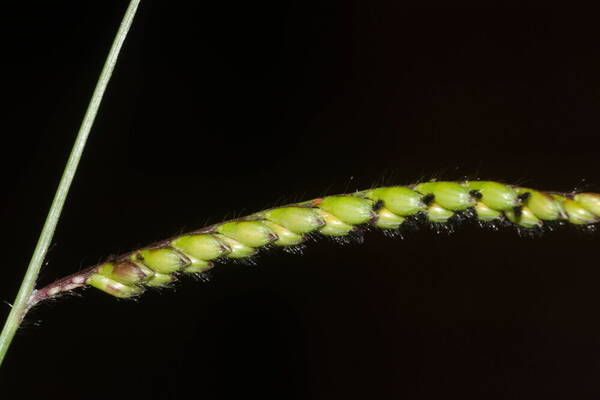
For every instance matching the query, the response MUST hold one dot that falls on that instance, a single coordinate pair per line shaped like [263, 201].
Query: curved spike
[386, 208]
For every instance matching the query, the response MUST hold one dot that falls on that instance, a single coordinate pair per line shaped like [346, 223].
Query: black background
[221, 109]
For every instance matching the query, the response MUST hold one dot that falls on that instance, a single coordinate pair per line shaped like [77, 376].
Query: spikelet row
[386, 208]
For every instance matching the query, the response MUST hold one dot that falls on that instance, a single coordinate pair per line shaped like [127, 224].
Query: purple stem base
[60, 286]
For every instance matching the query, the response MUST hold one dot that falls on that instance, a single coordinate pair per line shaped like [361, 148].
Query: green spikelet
[385, 208]
[333, 225]
[523, 217]
[298, 220]
[590, 201]
[113, 287]
[438, 214]
[399, 200]
[494, 195]
[448, 195]
[543, 205]
[388, 220]
[159, 280]
[249, 233]
[485, 213]
[350, 210]
[201, 247]
[126, 272]
[237, 249]
[198, 267]
[578, 214]
[162, 260]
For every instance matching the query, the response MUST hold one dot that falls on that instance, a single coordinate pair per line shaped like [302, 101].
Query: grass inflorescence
[396, 210]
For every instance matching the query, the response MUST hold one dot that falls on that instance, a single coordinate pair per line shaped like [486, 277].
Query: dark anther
[524, 196]
[476, 193]
[378, 205]
[456, 219]
[470, 212]
[413, 222]
[518, 210]
[428, 198]
[420, 216]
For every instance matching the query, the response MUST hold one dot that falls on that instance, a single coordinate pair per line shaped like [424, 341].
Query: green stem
[22, 302]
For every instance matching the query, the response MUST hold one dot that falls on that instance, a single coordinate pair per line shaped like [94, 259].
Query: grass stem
[22, 302]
